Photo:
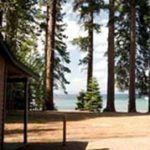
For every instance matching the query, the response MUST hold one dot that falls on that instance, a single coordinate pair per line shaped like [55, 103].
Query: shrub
[90, 100]
[80, 100]
[93, 99]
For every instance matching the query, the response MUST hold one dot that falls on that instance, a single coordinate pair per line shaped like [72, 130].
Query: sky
[78, 76]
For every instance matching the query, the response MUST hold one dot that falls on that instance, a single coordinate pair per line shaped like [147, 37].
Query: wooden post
[64, 130]
[26, 111]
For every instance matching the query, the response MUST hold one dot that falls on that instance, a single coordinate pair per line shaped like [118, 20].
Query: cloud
[100, 61]
[73, 30]
[77, 84]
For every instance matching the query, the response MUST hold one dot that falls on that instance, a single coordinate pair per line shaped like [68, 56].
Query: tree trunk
[149, 69]
[149, 87]
[111, 48]
[50, 44]
[1, 18]
[132, 97]
[90, 51]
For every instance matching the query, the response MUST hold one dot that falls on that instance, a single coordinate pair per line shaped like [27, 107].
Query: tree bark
[132, 97]
[149, 86]
[50, 44]
[149, 75]
[90, 51]
[1, 18]
[111, 48]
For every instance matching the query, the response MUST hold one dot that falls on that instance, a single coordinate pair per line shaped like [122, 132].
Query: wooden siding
[2, 79]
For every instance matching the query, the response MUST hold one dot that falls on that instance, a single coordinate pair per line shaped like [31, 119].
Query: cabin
[12, 70]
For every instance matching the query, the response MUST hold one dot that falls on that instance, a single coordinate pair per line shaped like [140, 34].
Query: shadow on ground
[49, 116]
[49, 146]
[100, 149]
[20, 131]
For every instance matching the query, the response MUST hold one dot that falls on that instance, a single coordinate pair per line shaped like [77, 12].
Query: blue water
[68, 102]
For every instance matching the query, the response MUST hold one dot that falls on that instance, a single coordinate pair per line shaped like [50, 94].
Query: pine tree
[87, 10]
[62, 58]
[132, 88]
[81, 42]
[49, 54]
[57, 56]
[90, 100]
[81, 101]
[122, 44]
[111, 52]
[143, 28]
[20, 30]
[93, 99]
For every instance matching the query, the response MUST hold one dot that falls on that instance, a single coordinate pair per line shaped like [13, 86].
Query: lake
[68, 102]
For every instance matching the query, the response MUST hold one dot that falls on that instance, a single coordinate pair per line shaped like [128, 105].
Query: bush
[90, 100]
[93, 99]
[80, 100]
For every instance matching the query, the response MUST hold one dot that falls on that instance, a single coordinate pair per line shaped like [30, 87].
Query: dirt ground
[45, 128]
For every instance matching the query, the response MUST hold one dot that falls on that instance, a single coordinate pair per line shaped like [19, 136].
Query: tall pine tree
[87, 10]
[57, 56]
[122, 43]
[132, 87]
[111, 52]
[49, 54]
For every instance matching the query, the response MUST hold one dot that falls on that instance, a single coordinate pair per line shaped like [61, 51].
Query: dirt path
[82, 129]
[139, 143]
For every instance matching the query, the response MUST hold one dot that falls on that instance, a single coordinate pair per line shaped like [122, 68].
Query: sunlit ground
[44, 127]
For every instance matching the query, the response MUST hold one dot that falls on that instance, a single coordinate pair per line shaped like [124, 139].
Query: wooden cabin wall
[2, 83]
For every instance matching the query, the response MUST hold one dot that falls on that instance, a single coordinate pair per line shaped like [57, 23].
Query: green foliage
[61, 59]
[122, 44]
[20, 26]
[21, 30]
[61, 54]
[37, 88]
[122, 47]
[86, 8]
[81, 42]
[24, 22]
[90, 100]
[143, 37]
[80, 100]
[93, 99]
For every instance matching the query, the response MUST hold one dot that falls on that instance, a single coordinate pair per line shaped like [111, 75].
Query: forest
[24, 22]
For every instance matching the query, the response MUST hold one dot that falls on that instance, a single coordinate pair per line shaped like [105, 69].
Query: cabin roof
[15, 67]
